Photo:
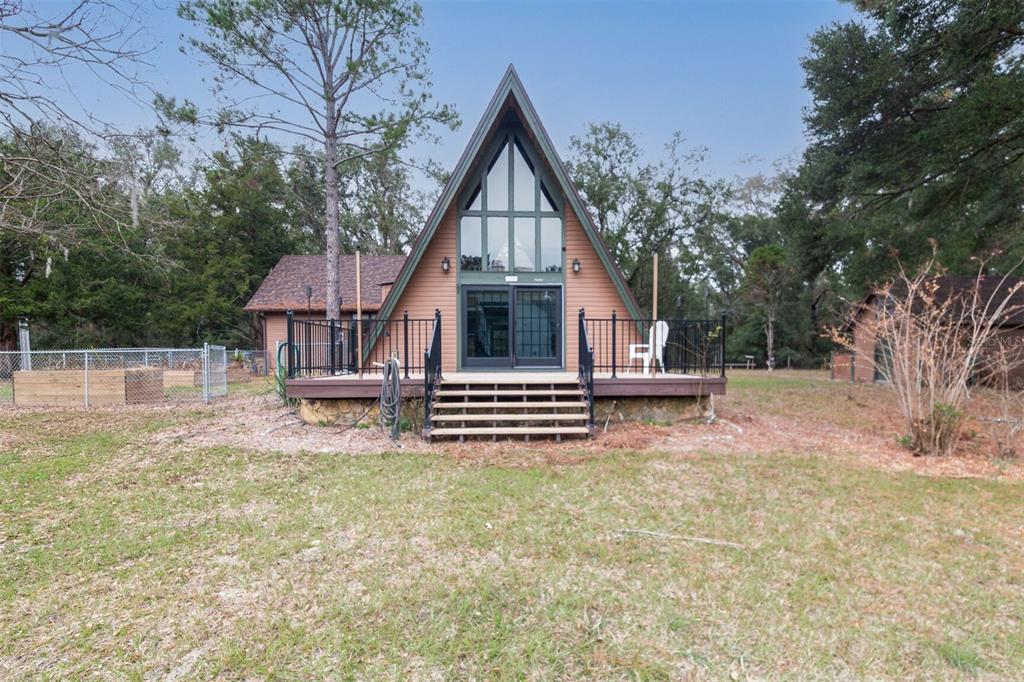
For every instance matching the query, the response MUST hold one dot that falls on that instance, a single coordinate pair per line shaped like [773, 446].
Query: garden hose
[391, 398]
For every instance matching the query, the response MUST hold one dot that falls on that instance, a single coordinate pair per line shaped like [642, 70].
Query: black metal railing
[431, 369]
[330, 347]
[586, 365]
[633, 346]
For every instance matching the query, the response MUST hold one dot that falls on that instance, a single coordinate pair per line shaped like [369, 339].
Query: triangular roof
[510, 87]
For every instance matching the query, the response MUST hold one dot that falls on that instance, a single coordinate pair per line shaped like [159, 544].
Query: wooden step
[531, 404]
[509, 417]
[445, 393]
[492, 378]
[510, 431]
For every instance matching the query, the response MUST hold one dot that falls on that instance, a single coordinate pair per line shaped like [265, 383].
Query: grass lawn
[122, 559]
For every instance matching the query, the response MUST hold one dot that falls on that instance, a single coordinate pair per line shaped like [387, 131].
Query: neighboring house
[284, 289]
[487, 308]
[860, 365]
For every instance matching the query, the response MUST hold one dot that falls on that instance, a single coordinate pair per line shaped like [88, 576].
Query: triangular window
[546, 202]
[475, 201]
[497, 181]
[523, 181]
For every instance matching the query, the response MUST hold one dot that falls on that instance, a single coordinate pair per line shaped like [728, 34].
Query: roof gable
[510, 92]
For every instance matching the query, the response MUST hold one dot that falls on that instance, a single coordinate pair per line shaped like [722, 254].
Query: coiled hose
[391, 398]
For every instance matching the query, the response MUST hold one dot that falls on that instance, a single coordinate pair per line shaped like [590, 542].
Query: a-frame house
[487, 308]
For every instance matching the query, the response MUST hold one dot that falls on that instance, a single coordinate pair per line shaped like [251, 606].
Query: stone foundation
[345, 411]
[657, 410]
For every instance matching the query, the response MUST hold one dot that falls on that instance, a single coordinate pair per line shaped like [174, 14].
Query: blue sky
[726, 74]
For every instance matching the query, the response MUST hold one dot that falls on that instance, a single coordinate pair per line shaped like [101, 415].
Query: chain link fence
[113, 377]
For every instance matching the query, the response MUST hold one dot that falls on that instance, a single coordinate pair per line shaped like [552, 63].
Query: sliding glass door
[511, 326]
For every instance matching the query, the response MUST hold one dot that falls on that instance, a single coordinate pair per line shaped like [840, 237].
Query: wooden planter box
[107, 387]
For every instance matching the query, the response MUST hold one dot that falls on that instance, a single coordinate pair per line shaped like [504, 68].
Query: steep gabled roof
[957, 288]
[284, 288]
[509, 87]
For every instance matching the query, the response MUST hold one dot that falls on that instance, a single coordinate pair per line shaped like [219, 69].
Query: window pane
[526, 244]
[522, 181]
[551, 244]
[474, 201]
[487, 324]
[497, 182]
[546, 202]
[497, 244]
[470, 235]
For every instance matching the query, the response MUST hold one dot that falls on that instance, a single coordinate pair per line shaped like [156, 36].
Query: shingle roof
[990, 288]
[285, 287]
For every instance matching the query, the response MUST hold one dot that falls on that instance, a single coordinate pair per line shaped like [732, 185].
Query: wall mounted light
[446, 264]
[576, 265]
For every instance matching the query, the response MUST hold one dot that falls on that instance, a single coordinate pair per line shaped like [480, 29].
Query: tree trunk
[769, 331]
[332, 237]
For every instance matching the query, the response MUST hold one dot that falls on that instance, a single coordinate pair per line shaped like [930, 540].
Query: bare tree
[935, 348]
[46, 136]
[345, 74]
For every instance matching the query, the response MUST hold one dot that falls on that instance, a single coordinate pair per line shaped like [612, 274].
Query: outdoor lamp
[446, 264]
[576, 265]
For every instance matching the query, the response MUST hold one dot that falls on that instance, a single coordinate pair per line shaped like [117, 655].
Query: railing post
[615, 352]
[332, 333]
[290, 362]
[405, 341]
[440, 356]
[721, 346]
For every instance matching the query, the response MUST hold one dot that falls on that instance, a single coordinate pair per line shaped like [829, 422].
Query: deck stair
[508, 405]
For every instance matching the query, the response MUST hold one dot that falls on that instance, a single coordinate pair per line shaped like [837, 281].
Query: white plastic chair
[654, 348]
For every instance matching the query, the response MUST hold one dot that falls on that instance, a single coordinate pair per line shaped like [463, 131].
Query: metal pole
[614, 343]
[206, 373]
[721, 346]
[288, 353]
[405, 341]
[24, 345]
[86, 382]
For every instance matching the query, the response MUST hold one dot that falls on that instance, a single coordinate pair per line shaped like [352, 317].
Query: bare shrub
[935, 346]
[1004, 416]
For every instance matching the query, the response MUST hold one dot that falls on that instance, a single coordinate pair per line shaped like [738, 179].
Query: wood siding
[430, 288]
[591, 289]
[863, 349]
[277, 332]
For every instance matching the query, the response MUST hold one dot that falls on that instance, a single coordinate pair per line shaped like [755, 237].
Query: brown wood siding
[277, 332]
[863, 350]
[591, 289]
[430, 288]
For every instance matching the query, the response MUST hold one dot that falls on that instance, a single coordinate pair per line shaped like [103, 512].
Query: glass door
[538, 327]
[487, 325]
[511, 326]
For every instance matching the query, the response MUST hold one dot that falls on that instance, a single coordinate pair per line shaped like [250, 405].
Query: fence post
[85, 364]
[721, 346]
[206, 373]
[405, 341]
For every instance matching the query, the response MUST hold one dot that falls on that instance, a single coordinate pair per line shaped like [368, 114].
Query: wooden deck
[622, 386]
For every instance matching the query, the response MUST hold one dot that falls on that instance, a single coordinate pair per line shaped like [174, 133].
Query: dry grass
[133, 552]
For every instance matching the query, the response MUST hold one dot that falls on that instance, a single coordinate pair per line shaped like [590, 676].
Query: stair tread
[531, 404]
[485, 379]
[508, 417]
[510, 431]
[443, 392]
